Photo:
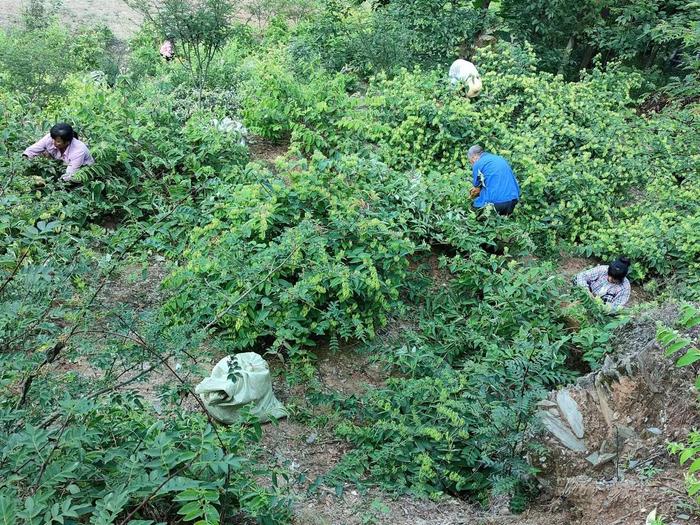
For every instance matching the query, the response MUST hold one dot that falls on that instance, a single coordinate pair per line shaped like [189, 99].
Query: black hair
[619, 268]
[63, 131]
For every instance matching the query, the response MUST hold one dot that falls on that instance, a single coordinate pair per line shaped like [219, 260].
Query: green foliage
[675, 343]
[323, 247]
[660, 227]
[199, 30]
[567, 35]
[487, 347]
[294, 257]
[279, 103]
[109, 455]
[37, 60]
[590, 167]
[395, 35]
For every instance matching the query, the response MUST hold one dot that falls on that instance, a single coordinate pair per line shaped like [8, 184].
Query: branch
[14, 270]
[244, 294]
[155, 492]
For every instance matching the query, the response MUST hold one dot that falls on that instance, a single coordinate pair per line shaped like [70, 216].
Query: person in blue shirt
[494, 182]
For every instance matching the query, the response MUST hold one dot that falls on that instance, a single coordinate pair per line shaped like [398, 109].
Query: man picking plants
[62, 144]
[494, 181]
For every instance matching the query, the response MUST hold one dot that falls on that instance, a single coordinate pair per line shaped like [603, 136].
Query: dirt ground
[119, 17]
[643, 478]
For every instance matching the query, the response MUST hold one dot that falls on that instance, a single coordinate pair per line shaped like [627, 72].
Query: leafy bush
[276, 101]
[147, 152]
[37, 61]
[294, 257]
[392, 36]
[586, 162]
[199, 30]
[487, 347]
[110, 457]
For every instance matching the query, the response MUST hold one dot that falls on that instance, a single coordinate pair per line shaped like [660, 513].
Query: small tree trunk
[567, 53]
[587, 56]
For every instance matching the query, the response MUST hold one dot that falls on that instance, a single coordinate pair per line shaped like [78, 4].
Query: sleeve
[588, 276]
[621, 298]
[73, 166]
[37, 148]
[475, 175]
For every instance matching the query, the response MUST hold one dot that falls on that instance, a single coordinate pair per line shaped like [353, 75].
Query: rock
[546, 403]
[596, 459]
[604, 405]
[607, 446]
[684, 517]
[312, 438]
[654, 430]
[557, 427]
[572, 414]
[626, 433]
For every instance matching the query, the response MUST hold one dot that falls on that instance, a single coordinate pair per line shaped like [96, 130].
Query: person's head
[62, 135]
[618, 269]
[474, 153]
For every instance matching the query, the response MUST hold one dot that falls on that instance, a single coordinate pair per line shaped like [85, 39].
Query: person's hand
[474, 192]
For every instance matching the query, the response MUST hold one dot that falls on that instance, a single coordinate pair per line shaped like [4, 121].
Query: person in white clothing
[465, 75]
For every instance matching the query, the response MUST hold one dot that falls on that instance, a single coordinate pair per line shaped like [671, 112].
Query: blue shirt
[494, 175]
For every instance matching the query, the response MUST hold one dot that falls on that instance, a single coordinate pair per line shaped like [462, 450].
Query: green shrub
[594, 173]
[37, 61]
[309, 253]
[108, 456]
[489, 343]
[395, 35]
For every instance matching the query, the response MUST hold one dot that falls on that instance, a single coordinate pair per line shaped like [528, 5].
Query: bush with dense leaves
[288, 258]
[582, 154]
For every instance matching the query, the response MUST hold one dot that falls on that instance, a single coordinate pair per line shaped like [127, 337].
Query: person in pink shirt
[167, 50]
[62, 144]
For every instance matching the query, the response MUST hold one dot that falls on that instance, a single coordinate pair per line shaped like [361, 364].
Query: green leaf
[687, 454]
[695, 465]
[689, 358]
[7, 511]
[191, 510]
[675, 347]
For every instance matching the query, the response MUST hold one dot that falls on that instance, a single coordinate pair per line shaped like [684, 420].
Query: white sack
[225, 398]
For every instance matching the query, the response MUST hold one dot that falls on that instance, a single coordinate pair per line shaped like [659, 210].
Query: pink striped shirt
[167, 50]
[75, 155]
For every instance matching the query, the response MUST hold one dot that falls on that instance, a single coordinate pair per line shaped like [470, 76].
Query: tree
[556, 28]
[567, 34]
[199, 29]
